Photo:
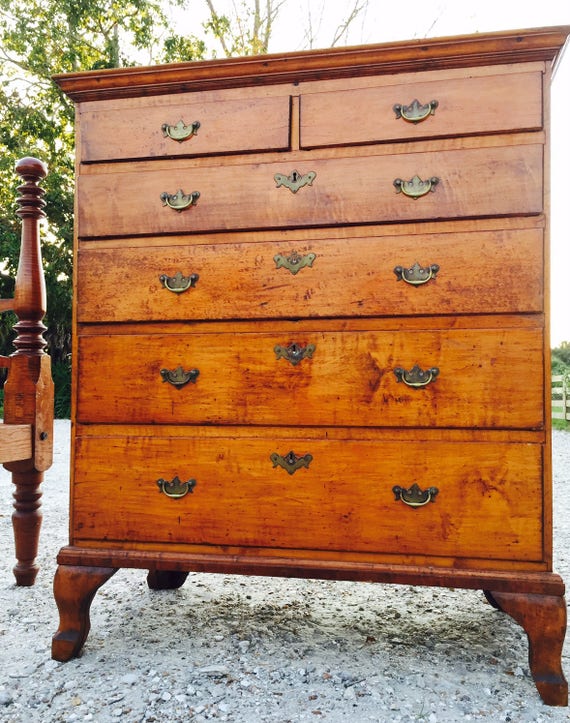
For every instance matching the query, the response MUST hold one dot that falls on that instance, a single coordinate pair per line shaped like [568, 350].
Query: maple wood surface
[342, 500]
[464, 106]
[473, 182]
[347, 277]
[225, 126]
[350, 378]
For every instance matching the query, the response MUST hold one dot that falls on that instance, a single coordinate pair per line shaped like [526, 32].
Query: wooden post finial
[30, 295]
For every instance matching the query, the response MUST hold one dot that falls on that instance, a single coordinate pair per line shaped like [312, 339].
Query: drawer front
[483, 378]
[180, 126]
[339, 497]
[497, 181]
[314, 277]
[463, 106]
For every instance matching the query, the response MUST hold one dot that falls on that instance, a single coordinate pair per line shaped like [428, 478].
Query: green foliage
[561, 359]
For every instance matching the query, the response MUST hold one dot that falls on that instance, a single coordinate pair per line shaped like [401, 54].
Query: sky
[388, 21]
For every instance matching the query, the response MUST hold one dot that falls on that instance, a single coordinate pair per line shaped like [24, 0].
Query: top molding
[460, 51]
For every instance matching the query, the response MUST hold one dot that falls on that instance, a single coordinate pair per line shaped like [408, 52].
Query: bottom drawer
[326, 495]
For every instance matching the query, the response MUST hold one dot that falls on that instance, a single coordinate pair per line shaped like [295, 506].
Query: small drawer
[403, 498]
[420, 109]
[483, 378]
[180, 126]
[494, 181]
[374, 275]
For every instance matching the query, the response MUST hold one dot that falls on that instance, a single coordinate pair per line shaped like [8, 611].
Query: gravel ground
[229, 648]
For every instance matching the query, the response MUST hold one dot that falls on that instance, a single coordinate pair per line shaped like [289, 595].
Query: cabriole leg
[543, 618]
[74, 590]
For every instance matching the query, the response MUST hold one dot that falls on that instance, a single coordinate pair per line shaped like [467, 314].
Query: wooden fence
[561, 396]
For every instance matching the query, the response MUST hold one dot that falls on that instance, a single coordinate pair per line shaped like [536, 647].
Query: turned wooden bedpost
[28, 398]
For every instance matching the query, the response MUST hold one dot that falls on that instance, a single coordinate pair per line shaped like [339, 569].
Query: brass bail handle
[179, 377]
[178, 283]
[415, 112]
[416, 275]
[414, 496]
[415, 188]
[175, 488]
[179, 201]
[416, 377]
[180, 131]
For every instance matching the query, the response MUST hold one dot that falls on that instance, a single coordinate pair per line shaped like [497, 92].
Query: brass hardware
[180, 132]
[179, 200]
[295, 353]
[415, 187]
[416, 275]
[415, 112]
[414, 497]
[295, 180]
[176, 489]
[416, 377]
[178, 283]
[294, 263]
[291, 463]
[178, 377]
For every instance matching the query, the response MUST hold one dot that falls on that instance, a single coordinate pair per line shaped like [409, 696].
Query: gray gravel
[229, 648]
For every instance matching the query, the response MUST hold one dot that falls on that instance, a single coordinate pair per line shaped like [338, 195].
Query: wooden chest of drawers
[311, 329]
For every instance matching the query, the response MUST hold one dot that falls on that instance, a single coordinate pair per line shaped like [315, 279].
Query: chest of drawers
[311, 328]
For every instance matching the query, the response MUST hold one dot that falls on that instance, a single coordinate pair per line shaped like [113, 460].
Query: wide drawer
[485, 501]
[486, 377]
[181, 126]
[495, 181]
[457, 273]
[451, 107]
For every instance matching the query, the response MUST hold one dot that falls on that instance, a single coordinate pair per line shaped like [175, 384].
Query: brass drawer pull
[416, 275]
[295, 353]
[178, 283]
[415, 187]
[176, 489]
[291, 463]
[294, 263]
[294, 181]
[179, 200]
[414, 497]
[416, 377]
[178, 377]
[415, 112]
[180, 132]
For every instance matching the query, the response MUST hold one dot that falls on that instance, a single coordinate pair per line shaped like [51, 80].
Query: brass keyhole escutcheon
[290, 462]
[295, 180]
[295, 353]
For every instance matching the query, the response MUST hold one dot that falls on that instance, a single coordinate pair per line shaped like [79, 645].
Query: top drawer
[424, 109]
[182, 126]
